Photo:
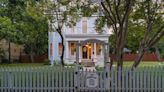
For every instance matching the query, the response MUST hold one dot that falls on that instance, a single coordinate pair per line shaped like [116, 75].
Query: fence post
[107, 77]
[76, 77]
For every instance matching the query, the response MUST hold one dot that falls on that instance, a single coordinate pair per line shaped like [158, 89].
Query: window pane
[60, 49]
[84, 25]
[98, 49]
[72, 48]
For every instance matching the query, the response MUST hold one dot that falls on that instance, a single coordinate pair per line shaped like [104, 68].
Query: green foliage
[160, 45]
[138, 23]
[135, 35]
[23, 22]
[34, 30]
[100, 23]
[7, 30]
[2, 53]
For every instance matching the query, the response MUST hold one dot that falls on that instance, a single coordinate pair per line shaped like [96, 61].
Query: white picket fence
[59, 79]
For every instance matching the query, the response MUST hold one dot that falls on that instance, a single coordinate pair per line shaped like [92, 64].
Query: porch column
[94, 52]
[80, 52]
[77, 53]
[67, 51]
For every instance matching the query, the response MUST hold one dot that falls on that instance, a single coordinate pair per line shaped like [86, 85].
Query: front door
[87, 51]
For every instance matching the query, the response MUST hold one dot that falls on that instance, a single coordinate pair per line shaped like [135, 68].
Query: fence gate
[91, 80]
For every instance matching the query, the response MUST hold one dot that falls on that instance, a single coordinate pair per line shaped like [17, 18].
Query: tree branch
[116, 10]
[128, 8]
[109, 15]
[110, 9]
[159, 34]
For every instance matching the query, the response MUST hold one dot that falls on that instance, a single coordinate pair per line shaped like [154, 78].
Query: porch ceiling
[87, 36]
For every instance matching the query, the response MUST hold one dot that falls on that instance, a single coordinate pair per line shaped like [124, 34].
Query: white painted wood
[72, 79]
[156, 76]
[23, 79]
[152, 79]
[1, 79]
[144, 79]
[42, 79]
[148, 78]
[137, 80]
[162, 78]
[141, 80]
[59, 79]
[26, 79]
[53, 80]
[48, 78]
[56, 77]
[126, 79]
[111, 80]
[19, 79]
[30, 79]
[134, 80]
[116, 81]
[64, 81]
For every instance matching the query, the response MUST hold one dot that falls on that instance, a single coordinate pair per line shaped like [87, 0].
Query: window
[84, 25]
[98, 49]
[60, 49]
[72, 48]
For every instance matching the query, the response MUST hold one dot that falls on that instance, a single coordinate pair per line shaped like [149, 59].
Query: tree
[160, 47]
[150, 14]
[7, 30]
[62, 12]
[33, 28]
[29, 27]
[117, 13]
[119, 16]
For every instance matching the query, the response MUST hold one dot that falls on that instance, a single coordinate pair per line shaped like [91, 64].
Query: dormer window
[84, 25]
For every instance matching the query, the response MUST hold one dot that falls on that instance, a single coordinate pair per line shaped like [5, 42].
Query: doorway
[87, 51]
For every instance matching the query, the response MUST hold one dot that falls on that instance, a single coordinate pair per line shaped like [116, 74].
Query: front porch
[90, 54]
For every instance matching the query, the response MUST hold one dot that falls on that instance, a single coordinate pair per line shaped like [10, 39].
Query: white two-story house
[83, 30]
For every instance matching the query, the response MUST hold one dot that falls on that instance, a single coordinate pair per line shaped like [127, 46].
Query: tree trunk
[119, 58]
[63, 48]
[20, 56]
[9, 50]
[62, 55]
[157, 53]
[119, 54]
[31, 55]
[139, 57]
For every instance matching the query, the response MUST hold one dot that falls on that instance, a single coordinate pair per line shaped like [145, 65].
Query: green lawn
[126, 64]
[143, 64]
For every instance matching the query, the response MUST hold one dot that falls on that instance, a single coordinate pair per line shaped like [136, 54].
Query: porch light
[86, 45]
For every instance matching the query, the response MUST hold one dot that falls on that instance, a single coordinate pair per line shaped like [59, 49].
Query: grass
[126, 64]
[142, 64]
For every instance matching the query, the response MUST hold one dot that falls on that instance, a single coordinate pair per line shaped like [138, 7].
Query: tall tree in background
[9, 9]
[151, 13]
[33, 28]
[30, 25]
[117, 13]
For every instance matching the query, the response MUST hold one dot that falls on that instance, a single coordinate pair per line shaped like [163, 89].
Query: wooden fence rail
[59, 79]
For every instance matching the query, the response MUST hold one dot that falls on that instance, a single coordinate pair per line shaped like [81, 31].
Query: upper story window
[84, 25]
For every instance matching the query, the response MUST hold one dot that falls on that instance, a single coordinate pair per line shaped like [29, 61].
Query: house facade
[83, 30]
